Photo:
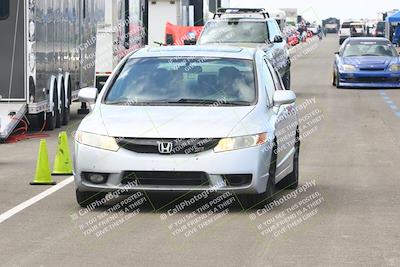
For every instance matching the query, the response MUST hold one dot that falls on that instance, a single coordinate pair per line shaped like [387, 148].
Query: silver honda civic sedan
[189, 119]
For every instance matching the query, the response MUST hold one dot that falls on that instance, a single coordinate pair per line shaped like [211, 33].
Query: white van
[346, 30]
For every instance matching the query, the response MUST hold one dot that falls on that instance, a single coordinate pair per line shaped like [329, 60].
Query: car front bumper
[250, 161]
[370, 79]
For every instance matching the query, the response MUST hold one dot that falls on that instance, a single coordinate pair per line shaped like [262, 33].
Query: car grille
[168, 146]
[372, 69]
[373, 79]
[166, 178]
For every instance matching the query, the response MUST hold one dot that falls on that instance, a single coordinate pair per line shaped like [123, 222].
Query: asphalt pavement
[346, 211]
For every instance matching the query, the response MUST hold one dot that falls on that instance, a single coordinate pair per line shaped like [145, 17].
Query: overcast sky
[322, 9]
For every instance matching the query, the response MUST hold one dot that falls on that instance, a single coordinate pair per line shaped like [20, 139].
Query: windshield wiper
[136, 102]
[117, 103]
[194, 101]
[237, 103]
[215, 102]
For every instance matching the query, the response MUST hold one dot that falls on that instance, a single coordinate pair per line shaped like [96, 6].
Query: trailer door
[12, 50]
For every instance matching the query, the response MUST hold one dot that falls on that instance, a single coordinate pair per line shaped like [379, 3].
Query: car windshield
[234, 31]
[369, 48]
[346, 26]
[184, 80]
[351, 25]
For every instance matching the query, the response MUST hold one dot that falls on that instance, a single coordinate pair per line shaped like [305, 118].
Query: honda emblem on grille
[165, 147]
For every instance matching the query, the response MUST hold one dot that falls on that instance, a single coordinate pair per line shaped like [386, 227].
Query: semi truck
[331, 25]
[49, 52]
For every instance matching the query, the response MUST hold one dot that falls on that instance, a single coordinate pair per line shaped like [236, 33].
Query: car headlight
[394, 67]
[348, 67]
[234, 143]
[95, 140]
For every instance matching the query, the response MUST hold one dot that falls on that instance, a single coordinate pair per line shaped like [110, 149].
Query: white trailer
[49, 51]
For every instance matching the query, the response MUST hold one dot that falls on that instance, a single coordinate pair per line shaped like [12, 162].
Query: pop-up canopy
[394, 18]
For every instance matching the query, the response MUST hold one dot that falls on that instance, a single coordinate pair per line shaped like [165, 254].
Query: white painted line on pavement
[6, 215]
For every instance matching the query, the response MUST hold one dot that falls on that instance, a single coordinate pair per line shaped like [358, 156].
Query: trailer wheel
[51, 117]
[67, 106]
[36, 121]
[60, 112]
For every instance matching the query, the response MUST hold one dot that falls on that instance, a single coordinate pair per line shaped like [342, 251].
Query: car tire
[62, 109]
[337, 80]
[84, 198]
[287, 80]
[259, 200]
[51, 117]
[67, 109]
[333, 79]
[66, 116]
[292, 180]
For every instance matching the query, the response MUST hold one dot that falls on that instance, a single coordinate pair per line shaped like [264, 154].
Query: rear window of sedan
[184, 80]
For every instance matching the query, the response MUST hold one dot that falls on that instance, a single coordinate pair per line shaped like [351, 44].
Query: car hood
[171, 121]
[369, 62]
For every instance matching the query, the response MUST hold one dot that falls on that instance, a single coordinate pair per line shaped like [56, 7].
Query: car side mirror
[278, 39]
[88, 95]
[284, 97]
[336, 53]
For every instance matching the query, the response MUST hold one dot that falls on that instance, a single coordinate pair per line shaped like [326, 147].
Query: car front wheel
[334, 79]
[259, 200]
[286, 79]
[337, 80]
[292, 180]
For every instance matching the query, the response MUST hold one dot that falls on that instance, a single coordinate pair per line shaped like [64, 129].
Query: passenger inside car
[171, 80]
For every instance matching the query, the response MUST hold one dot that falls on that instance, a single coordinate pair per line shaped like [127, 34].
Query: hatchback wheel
[337, 80]
[334, 79]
